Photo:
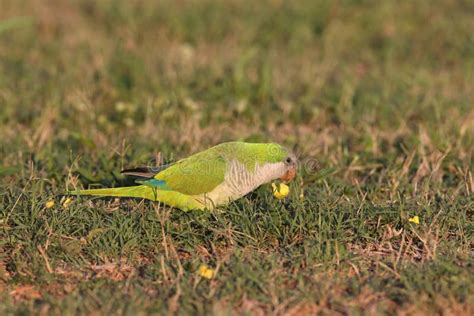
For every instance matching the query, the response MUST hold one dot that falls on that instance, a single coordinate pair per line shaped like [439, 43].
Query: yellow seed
[49, 204]
[121, 107]
[67, 202]
[415, 219]
[280, 191]
[206, 272]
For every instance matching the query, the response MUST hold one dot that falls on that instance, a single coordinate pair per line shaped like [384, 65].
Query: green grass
[380, 93]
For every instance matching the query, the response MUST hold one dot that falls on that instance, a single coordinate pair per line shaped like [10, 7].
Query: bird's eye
[288, 160]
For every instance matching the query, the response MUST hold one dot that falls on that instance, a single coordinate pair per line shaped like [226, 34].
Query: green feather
[171, 198]
[139, 191]
[251, 154]
[197, 174]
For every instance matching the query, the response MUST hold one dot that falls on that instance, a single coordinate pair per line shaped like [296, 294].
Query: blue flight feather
[154, 183]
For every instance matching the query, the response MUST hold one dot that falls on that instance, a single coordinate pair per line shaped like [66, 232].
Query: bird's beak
[289, 175]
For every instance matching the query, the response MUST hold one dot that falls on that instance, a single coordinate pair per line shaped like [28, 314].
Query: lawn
[379, 93]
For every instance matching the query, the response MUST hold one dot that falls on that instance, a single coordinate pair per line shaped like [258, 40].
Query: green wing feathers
[195, 175]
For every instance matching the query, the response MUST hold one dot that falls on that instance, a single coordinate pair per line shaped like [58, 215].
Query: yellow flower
[206, 272]
[280, 191]
[67, 202]
[415, 219]
[49, 204]
[302, 194]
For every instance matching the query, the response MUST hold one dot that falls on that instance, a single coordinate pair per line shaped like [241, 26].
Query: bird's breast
[238, 181]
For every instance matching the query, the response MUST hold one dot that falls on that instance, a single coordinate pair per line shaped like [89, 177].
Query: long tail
[139, 191]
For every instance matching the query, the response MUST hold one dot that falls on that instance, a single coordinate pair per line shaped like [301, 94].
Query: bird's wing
[145, 172]
[197, 174]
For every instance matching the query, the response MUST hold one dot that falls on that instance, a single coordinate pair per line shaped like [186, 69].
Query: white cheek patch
[270, 171]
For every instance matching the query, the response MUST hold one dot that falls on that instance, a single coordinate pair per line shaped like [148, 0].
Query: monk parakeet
[210, 178]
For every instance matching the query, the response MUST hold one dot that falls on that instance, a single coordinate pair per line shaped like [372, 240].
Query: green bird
[210, 178]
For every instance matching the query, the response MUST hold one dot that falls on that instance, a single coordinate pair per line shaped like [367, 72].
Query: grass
[379, 93]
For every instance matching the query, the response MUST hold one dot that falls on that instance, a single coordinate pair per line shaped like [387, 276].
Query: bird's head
[285, 160]
[290, 163]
